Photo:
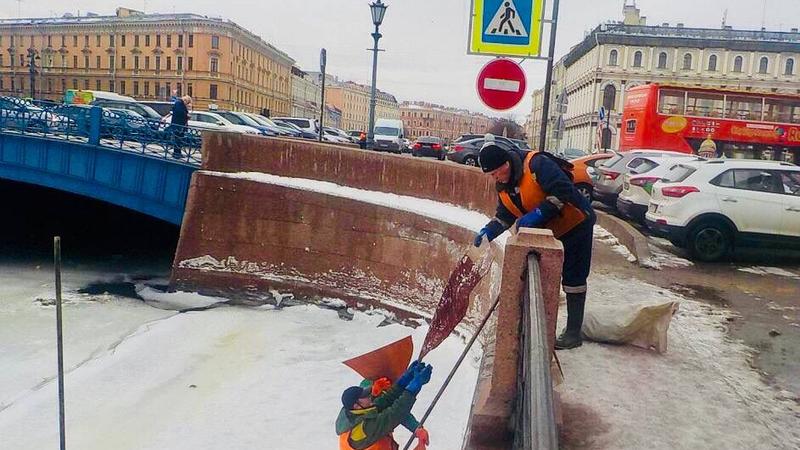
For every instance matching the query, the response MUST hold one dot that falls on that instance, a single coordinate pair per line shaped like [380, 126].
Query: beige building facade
[148, 57]
[427, 119]
[306, 93]
[615, 57]
[352, 99]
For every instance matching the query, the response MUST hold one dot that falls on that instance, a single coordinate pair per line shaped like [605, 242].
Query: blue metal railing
[92, 125]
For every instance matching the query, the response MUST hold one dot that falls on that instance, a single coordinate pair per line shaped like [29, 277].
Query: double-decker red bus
[734, 124]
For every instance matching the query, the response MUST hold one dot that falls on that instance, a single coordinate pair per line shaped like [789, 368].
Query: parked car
[238, 118]
[267, 122]
[609, 184]
[303, 133]
[522, 144]
[407, 145]
[341, 134]
[310, 126]
[162, 108]
[468, 137]
[330, 135]
[584, 171]
[139, 108]
[203, 120]
[727, 203]
[428, 146]
[637, 186]
[571, 153]
[19, 114]
[466, 152]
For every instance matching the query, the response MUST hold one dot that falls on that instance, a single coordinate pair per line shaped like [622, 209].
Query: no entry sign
[501, 84]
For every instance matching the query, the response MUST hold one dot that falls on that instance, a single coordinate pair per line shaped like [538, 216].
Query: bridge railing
[534, 419]
[97, 126]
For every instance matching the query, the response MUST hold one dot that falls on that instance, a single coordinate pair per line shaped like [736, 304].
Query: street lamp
[378, 9]
[32, 57]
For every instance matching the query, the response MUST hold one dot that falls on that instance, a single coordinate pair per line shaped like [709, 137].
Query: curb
[628, 236]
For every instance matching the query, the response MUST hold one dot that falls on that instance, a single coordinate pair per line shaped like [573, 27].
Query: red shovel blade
[388, 361]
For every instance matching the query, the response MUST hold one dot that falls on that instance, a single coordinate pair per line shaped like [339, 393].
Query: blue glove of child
[533, 219]
[421, 378]
[490, 231]
[408, 375]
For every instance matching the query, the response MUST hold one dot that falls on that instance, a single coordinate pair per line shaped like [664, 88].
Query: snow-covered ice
[140, 377]
[604, 236]
[762, 270]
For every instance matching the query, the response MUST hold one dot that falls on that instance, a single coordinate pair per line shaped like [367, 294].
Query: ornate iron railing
[95, 126]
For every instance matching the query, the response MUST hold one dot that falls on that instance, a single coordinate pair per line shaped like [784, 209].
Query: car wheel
[709, 241]
[585, 190]
[471, 161]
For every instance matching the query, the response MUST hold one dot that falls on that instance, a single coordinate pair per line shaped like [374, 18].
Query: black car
[467, 152]
[428, 146]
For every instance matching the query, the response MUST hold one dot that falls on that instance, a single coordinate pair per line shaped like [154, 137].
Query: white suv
[637, 185]
[723, 203]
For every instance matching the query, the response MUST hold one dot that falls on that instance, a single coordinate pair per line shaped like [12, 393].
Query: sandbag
[642, 325]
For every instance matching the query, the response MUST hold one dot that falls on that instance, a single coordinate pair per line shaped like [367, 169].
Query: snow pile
[761, 270]
[701, 394]
[176, 301]
[604, 236]
[228, 377]
[659, 259]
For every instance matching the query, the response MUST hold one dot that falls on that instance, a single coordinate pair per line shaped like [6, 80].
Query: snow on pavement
[229, 377]
[777, 271]
[701, 394]
[604, 236]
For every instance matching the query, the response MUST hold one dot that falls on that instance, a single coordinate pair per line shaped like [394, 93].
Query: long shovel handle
[455, 368]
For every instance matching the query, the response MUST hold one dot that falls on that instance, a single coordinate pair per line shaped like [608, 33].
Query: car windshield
[247, 120]
[233, 118]
[387, 131]
[291, 126]
[610, 162]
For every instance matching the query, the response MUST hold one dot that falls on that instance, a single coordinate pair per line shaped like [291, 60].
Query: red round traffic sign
[501, 84]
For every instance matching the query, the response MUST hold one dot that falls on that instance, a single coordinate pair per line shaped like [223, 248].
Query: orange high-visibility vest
[532, 195]
[386, 443]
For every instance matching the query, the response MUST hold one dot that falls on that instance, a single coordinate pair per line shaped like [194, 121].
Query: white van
[388, 135]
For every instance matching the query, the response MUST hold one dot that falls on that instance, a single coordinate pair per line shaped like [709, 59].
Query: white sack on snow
[640, 325]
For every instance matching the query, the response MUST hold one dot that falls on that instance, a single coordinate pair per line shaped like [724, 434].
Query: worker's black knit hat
[352, 394]
[492, 156]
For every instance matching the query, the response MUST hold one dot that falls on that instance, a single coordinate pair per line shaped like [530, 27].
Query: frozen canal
[141, 375]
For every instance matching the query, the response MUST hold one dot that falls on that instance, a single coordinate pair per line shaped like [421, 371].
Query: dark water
[94, 234]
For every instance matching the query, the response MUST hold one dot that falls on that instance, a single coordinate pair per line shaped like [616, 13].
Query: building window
[136, 40]
[111, 87]
[146, 63]
[169, 63]
[122, 40]
[215, 42]
[169, 41]
[167, 90]
[49, 41]
[74, 83]
[662, 60]
[180, 41]
[74, 61]
[158, 90]
[111, 62]
[63, 40]
[86, 84]
[212, 91]
[97, 85]
[85, 40]
[179, 90]
[97, 39]
[687, 61]
[136, 62]
[190, 63]
[712, 63]
[179, 63]
[147, 40]
[737, 64]
[637, 59]
[74, 40]
[111, 40]
[789, 67]
[158, 63]
[146, 88]
[609, 97]
[63, 85]
[98, 62]
[191, 42]
[135, 88]
[122, 87]
[214, 65]
[763, 65]
[158, 40]
[189, 90]
[122, 61]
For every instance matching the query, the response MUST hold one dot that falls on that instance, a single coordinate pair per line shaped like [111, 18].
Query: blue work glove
[533, 219]
[490, 231]
[421, 378]
[408, 375]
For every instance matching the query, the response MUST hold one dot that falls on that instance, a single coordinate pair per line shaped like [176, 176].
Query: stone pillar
[497, 385]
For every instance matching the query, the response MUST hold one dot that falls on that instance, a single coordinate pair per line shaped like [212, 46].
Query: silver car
[608, 184]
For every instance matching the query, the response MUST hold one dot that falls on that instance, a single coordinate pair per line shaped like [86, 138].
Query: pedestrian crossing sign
[506, 28]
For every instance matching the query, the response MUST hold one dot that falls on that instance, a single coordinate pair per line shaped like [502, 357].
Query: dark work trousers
[577, 256]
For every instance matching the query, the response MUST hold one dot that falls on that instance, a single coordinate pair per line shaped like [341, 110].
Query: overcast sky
[425, 40]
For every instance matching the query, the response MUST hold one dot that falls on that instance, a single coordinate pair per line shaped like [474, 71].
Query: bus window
[743, 108]
[704, 104]
[671, 102]
[778, 110]
[630, 126]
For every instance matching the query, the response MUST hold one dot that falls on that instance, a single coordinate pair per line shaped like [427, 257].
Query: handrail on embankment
[534, 415]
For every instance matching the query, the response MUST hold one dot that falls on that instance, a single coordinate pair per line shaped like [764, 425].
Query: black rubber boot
[571, 337]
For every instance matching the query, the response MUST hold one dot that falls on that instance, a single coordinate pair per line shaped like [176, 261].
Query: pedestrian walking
[535, 191]
[370, 414]
[179, 122]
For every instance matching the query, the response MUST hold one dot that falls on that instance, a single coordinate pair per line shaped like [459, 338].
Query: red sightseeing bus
[734, 124]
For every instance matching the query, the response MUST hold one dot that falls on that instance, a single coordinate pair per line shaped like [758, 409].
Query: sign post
[501, 84]
[548, 81]
[323, 62]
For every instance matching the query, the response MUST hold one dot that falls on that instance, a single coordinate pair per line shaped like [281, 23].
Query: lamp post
[378, 9]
